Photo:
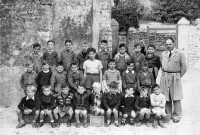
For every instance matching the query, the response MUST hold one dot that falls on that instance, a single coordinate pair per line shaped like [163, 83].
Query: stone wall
[24, 22]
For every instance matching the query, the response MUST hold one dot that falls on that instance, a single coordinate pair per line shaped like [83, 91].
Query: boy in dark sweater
[143, 104]
[51, 56]
[47, 105]
[129, 77]
[30, 104]
[121, 58]
[68, 56]
[104, 55]
[82, 56]
[111, 103]
[44, 77]
[153, 61]
[36, 57]
[127, 105]
[137, 58]
[82, 101]
[58, 78]
[63, 105]
[29, 77]
[145, 78]
[75, 77]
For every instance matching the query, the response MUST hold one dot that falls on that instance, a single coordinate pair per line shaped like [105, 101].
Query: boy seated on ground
[30, 104]
[127, 105]
[111, 103]
[143, 104]
[63, 105]
[47, 105]
[158, 103]
[97, 109]
[82, 101]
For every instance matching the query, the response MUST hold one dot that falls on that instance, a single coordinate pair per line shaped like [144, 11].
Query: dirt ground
[188, 125]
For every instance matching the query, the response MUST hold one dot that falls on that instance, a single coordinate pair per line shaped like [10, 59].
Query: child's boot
[116, 123]
[69, 123]
[78, 125]
[148, 123]
[161, 123]
[108, 123]
[53, 125]
[40, 124]
[123, 122]
[132, 122]
[85, 125]
[155, 123]
[57, 122]
[34, 124]
[21, 125]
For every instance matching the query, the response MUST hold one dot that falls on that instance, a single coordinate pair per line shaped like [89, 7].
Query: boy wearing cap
[111, 103]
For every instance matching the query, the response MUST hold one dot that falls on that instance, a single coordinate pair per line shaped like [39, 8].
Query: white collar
[131, 71]
[46, 71]
[172, 51]
[129, 96]
[143, 96]
[101, 50]
[27, 98]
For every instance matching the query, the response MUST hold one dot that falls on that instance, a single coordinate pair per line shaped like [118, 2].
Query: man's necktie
[170, 54]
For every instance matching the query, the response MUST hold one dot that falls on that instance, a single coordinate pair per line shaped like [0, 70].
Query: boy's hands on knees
[26, 111]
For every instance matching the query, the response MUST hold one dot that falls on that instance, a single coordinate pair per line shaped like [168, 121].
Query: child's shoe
[40, 124]
[155, 124]
[68, 124]
[108, 123]
[132, 122]
[123, 123]
[78, 125]
[85, 125]
[148, 123]
[21, 125]
[53, 125]
[116, 123]
[34, 124]
[138, 124]
[161, 124]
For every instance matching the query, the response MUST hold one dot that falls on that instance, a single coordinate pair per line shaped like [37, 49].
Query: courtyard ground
[189, 124]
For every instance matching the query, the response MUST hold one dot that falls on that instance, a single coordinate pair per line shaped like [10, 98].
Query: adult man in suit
[173, 68]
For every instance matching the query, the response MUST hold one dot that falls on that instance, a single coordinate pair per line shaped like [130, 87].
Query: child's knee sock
[77, 118]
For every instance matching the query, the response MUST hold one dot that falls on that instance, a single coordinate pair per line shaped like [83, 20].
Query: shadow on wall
[10, 92]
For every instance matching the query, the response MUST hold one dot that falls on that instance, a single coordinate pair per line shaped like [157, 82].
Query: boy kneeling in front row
[111, 102]
[82, 101]
[127, 105]
[30, 104]
[158, 102]
[63, 105]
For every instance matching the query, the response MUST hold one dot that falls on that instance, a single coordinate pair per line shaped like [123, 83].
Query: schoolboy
[29, 77]
[137, 58]
[63, 106]
[68, 56]
[158, 102]
[110, 75]
[47, 105]
[142, 105]
[129, 77]
[145, 78]
[153, 61]
[58, 78]
[92, 70]
[97, 93]
[111, 103]
[36, 57]
[75, 77]
[103, 55]
[82, 101]
[44, 77]
[121, 58]
[127, 105]
[50, 55]
[82, 56]
[30, 104]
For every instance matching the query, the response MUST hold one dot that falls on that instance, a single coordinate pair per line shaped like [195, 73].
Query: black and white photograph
[99, 67]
